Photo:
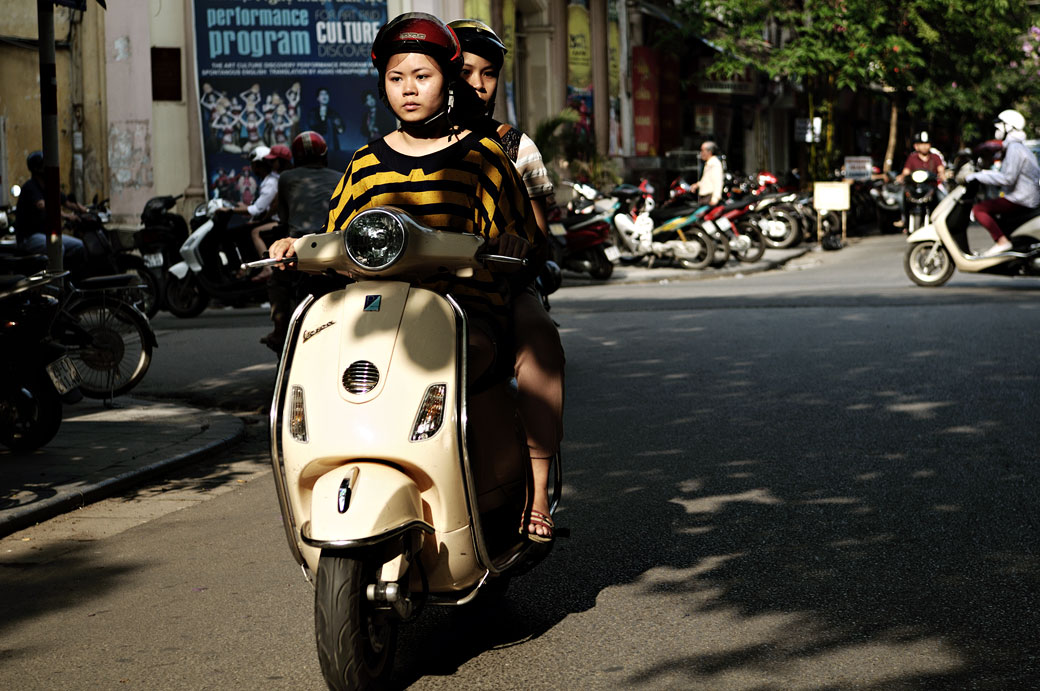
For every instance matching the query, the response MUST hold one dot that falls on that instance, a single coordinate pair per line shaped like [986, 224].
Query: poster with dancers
[268, 71]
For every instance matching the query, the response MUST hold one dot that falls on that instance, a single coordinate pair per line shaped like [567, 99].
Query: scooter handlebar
[261, 263]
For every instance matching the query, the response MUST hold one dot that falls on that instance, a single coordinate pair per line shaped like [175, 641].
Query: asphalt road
[822, 477]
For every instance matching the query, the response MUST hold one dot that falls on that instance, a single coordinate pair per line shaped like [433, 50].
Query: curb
[647, 275]
[63, 502]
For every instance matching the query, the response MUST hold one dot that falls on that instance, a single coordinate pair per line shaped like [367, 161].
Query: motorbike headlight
[375, 239]
[919, 176]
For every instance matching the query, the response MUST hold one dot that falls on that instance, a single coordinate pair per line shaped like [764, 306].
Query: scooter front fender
[180, 270]
[361, 504]
[926, 233]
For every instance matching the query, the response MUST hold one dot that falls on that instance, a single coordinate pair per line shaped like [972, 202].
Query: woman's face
[414, 86]
[481, 75]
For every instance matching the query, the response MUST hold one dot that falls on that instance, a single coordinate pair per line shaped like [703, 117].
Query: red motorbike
[580, 236]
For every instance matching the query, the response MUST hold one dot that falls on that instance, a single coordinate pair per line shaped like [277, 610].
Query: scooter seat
[25, 264]
[103, 282]
[1017, 219]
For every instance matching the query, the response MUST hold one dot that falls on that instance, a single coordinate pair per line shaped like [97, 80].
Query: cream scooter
[938, 248]
[382, 448]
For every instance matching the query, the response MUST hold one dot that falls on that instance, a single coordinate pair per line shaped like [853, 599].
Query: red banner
[645, 69]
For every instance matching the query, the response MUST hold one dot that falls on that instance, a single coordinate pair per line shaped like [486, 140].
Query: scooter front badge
[372, 302]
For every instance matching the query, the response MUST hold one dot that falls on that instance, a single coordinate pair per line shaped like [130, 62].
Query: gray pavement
[102, 449]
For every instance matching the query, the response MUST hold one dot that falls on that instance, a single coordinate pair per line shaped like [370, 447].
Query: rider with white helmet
[1018, 178]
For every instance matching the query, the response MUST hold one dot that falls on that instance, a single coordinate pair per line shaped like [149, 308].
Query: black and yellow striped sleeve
[502, 203]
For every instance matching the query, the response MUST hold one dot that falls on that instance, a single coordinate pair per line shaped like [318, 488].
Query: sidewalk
[772, 259]
[101, 450]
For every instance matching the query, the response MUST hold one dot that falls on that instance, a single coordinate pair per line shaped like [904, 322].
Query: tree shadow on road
[805, 498]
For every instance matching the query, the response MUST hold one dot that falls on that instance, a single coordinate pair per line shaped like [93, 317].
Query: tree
[920, 53]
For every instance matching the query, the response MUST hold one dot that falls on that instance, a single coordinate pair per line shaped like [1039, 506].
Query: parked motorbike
[886, 196]
[105, 258]
[580, 238]
[920, 195]
[210, 268]
[735, 233]
[382, 443]
[939, 248]
[36, 376]
[159, 241]
[678, 241]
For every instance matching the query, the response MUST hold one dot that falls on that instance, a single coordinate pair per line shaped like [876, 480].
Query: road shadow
[846, 493]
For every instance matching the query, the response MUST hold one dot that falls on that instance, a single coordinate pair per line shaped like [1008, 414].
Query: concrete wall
[80, 101]
[170, 118]
[129, 92]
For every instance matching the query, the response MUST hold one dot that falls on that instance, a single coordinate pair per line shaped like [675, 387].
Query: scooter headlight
[431, 413]
[375, 239]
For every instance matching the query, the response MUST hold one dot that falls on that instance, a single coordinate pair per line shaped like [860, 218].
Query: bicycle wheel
[114, 348]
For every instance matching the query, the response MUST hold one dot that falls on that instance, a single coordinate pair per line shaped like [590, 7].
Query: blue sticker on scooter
[372, 302]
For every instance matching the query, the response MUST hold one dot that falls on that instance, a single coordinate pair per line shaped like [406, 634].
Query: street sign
[858, 167]
[831, 196]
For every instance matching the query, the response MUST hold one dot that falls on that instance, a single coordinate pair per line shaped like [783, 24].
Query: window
[166, 74]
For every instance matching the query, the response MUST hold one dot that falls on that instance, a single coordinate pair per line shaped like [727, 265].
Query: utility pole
[49, 123]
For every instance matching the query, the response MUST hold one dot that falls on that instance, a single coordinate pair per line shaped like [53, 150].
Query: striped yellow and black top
[468, 187]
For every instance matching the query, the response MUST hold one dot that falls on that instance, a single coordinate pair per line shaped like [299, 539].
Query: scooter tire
[351, 657]
[148, 298]
[120, 348]
[705, 254]
[756, 245]
[929, 274]
[794, 230]
[602, 268]
[30, 413]
[185, 297]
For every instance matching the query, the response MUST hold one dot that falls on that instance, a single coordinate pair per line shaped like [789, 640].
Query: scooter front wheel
[30, 412]
[750, 246]
[185, 297]
[928, 264]
[356, 641]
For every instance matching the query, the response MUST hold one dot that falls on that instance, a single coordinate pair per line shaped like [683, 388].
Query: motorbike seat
[17, 263]
[1016, 219]
[10, 280]
[626, 192]
[104, 282]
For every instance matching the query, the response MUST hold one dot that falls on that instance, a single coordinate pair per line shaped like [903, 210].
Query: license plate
[63, 374]
[613, 253]
[557, 229]
[724, 223]
[709, 226]
[153, 260]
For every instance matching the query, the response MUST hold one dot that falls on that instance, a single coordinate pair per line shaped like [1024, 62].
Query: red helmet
[279, 151]
[308, 147]
[418, 32]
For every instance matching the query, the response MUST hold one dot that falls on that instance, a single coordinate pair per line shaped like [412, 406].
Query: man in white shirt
[709, 187]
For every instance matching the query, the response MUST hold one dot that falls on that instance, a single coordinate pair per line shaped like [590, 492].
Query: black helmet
[922, 138]
[34, 162]
[479, 38]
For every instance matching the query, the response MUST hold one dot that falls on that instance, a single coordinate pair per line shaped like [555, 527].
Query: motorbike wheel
[701, 250]
[928, 272]
[751, 246]
[602, 268]
[146, 299]
[185, 297]
[792, 228]
[30, 413]
[119, 350]
[356, 642]
[721, 254]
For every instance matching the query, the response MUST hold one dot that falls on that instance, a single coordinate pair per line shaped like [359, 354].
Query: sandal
[537, 518]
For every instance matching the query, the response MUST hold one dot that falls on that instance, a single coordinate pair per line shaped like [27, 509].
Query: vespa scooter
[937, 249]
[402, 477]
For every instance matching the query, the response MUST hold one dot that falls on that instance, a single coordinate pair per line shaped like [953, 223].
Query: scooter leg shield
[924, 234]
[360, 504]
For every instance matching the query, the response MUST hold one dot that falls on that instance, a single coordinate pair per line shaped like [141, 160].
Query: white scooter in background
[382, 451]
[937, 249]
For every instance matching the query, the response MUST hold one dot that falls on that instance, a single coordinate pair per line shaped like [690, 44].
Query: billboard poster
[645, 68]
[268, 71]
[579, 66]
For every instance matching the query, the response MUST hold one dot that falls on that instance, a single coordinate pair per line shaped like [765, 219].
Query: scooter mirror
[16, 191]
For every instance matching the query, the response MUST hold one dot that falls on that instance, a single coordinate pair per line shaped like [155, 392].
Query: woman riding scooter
[539, 353]
[1018, 179]
[449, 176]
